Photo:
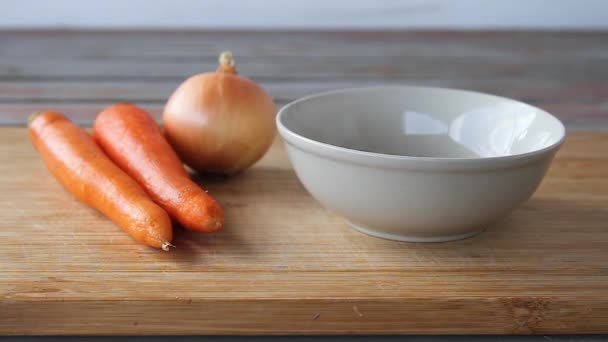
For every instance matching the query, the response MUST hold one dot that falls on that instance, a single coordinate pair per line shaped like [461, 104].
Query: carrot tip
[165, 246]
[214, 224]
[32, 117]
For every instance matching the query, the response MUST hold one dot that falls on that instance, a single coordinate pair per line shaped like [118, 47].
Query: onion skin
[219, 121]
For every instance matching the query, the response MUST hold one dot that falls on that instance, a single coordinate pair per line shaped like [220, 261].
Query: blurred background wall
[306, 14]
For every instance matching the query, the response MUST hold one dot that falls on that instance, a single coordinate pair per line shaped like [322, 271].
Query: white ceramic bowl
[419, 164]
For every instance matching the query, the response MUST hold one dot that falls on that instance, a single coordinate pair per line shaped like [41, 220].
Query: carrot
[135, 142]
[73, 157]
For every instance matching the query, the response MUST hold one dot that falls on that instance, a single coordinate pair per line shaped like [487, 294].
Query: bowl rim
[365, 157]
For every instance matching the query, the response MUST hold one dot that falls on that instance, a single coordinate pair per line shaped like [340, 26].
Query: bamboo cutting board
[285, 265]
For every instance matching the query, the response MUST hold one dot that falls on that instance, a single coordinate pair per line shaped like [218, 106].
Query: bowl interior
[422, 122]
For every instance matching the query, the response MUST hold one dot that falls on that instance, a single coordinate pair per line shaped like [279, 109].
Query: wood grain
[285, 265]
[80, 72]
[576, 104]
[144, 45]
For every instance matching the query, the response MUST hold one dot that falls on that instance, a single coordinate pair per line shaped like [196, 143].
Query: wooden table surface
[80, 72]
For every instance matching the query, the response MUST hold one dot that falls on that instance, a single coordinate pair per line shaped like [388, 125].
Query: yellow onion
[220, 121]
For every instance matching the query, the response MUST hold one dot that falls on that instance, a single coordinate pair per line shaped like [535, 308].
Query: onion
[219, 121]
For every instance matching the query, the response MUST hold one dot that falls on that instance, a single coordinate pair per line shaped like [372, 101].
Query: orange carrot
[73, 157]
[134, 141]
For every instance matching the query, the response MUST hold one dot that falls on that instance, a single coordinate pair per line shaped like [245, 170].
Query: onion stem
[226, 62]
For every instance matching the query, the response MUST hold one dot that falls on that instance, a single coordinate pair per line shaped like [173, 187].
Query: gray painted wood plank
[541, 91]
[16, 69]
[511, 46]
[575, 117]
[80, 72]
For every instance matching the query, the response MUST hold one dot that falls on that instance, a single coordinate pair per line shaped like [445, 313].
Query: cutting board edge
[500, 315]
